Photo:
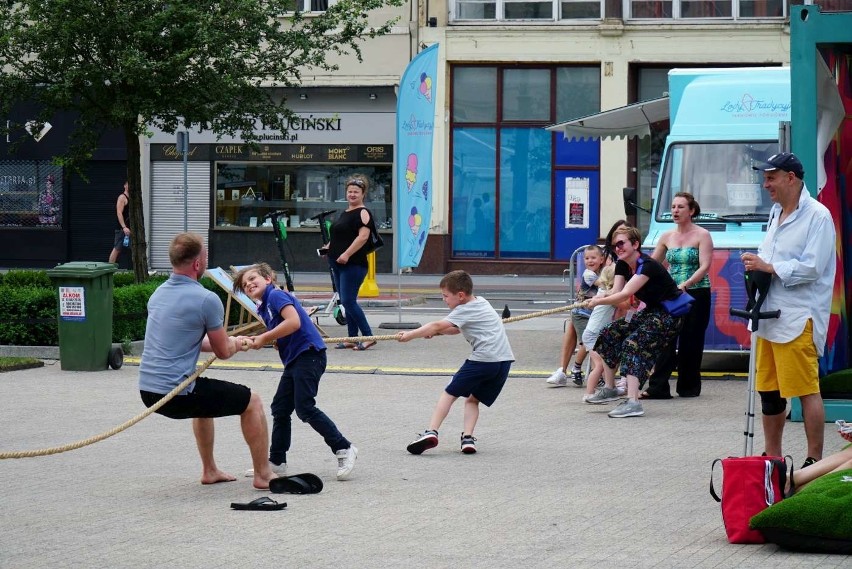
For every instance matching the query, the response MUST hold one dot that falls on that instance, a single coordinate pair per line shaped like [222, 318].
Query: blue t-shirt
[180, 313]
[305, 338]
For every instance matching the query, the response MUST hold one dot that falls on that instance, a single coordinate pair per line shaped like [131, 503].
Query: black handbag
[375, 241]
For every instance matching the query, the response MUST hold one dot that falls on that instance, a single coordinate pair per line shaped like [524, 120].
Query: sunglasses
[619, 244]
[359, 183]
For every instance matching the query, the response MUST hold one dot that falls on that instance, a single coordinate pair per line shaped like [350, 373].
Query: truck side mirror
[629, 195]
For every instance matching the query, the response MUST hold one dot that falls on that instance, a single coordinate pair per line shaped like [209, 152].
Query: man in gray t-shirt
[185, 319]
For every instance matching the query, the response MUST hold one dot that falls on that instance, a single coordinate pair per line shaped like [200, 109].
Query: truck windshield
[721, 178]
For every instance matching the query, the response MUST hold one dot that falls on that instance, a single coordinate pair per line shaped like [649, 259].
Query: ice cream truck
[722, 122]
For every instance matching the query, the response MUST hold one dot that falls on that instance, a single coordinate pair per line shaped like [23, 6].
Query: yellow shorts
[790, 368]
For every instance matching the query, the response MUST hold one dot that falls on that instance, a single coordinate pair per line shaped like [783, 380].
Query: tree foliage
[133, 64]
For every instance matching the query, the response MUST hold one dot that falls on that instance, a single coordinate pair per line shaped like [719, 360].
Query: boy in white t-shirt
[483, 374]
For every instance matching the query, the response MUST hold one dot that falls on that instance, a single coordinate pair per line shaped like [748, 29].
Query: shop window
[31, 194]
[247, 191]
[502, 199]
[475, 94]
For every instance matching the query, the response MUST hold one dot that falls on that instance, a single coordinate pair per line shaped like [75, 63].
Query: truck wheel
[340, 315]
[116, 357]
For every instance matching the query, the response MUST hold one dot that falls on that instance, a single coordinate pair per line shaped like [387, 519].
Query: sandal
[344, 346]
[361, 346]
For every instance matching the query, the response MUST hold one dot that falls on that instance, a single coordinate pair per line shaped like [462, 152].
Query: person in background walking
[123, 230]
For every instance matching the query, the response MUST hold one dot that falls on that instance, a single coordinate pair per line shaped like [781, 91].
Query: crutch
[757, 285]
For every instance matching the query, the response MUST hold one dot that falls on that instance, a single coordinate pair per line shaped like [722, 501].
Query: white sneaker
[277, 469]
[558, 378]
[621, 386]
[346, 461]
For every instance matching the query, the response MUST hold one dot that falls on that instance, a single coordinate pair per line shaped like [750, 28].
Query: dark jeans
[348, 279]
[297, 391]
[685, 354]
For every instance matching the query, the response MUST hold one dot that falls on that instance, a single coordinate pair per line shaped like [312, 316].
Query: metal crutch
[757, 285]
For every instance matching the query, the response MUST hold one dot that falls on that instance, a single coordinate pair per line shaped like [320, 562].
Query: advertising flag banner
[415, 125]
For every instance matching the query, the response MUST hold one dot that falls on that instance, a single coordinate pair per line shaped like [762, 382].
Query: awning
[632, 120]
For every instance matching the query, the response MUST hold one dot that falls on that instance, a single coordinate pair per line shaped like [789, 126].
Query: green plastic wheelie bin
[85, 316]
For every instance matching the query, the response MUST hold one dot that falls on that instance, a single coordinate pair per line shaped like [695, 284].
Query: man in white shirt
[799, 251]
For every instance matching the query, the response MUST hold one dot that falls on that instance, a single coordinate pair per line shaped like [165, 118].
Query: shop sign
[72, 303]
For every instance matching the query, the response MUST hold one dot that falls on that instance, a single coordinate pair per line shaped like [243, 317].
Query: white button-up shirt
[802, 250]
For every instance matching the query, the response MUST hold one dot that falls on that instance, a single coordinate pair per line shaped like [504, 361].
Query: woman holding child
[688, 250]
[638, 338]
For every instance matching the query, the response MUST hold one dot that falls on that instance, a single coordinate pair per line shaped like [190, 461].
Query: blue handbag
[680, 305]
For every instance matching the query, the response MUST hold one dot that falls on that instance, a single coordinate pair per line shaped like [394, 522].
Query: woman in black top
[639, 337]
[348, 259]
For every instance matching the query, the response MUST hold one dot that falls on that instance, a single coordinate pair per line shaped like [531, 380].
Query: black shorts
[483, 380]
[210, 398]
[118, 242]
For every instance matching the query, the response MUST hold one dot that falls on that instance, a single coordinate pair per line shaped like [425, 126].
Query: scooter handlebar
[276, 213]
[323, 214]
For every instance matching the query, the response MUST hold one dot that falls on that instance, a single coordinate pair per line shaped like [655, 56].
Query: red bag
[749, 485]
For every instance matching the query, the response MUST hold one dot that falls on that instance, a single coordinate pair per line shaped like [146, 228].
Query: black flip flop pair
[305, 483]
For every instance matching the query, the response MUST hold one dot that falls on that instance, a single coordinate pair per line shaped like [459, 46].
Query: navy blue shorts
[483, 380]
[210, 398]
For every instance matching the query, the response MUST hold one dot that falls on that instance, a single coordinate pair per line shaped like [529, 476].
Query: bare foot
[217, 476]
[262, 482]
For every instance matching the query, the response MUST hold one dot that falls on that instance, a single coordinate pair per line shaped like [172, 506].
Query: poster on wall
[576, 203]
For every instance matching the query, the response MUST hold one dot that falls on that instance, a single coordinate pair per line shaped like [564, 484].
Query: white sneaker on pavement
[346, 461]
[558, 378]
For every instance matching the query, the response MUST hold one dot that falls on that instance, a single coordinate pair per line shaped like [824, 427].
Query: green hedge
[28, 307]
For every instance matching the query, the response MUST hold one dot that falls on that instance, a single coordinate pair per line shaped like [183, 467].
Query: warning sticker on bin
[72, 303]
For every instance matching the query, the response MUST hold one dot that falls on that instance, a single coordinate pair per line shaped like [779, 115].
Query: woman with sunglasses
[688, 249]
[348, 258]
[638, 338]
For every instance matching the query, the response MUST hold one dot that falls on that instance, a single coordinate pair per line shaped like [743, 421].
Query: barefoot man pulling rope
[184, 319]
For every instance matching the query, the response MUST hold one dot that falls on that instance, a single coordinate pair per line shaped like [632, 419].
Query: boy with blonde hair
[483, 374]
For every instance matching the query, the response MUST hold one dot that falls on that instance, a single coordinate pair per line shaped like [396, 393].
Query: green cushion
[837, 385]
[817, 518]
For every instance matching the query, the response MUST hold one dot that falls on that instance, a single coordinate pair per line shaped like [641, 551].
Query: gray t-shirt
[180, 313]
[482, 328]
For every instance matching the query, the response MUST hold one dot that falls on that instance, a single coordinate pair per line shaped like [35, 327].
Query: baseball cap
[786, 161]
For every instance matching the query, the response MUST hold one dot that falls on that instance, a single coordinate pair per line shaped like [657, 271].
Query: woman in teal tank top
[688, 250]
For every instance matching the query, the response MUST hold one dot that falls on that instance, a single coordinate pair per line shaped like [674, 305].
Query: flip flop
[361, 346]
[261, 504]
[305, 483]
[344, 346]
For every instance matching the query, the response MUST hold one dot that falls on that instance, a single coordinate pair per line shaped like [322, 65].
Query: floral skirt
[637, 344]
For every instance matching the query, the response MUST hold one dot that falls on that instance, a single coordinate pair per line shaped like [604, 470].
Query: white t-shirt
[483, 329]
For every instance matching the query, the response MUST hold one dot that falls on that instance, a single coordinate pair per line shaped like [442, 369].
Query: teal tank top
[683, 262]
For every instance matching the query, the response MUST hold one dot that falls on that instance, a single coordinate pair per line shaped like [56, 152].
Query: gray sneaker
[603, 395]
[627, 408]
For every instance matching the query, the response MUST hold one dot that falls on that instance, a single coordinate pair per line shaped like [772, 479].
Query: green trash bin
[85, 314]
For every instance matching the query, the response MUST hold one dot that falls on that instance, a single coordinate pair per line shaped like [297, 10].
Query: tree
[131, 64]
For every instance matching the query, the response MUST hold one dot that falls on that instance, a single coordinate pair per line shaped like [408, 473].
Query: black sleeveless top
[123, 213]
[344, 230]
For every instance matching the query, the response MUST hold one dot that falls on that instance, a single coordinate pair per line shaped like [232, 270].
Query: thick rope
[185, 383]
[356, 339]
[114, 431]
